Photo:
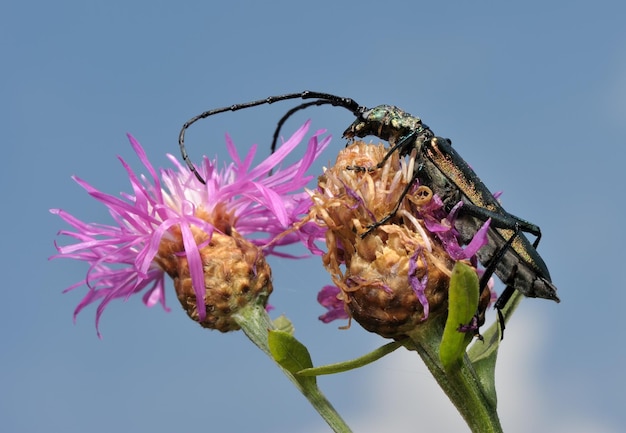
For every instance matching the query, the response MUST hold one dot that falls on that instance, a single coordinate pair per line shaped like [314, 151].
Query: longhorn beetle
[508, 253]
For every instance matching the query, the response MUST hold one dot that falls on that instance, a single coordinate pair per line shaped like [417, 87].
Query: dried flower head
[396, 276]
[211, 239]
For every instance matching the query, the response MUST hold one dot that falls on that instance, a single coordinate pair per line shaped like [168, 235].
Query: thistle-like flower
[397, 275]
[211, 239]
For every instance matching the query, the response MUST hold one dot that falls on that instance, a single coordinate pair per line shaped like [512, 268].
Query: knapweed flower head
[393, 277]
[210, 238]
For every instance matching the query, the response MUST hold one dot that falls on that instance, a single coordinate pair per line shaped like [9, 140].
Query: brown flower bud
[235, 275]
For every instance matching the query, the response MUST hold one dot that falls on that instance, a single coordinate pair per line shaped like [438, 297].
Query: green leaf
[340, 367]
[290, 354]
[462, 305]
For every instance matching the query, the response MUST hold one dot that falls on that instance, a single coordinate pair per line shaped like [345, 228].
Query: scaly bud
[397, 275]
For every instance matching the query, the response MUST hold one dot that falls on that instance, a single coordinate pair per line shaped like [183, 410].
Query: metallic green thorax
[389, 123]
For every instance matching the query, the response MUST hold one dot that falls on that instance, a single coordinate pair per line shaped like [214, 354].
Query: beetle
[508, 253]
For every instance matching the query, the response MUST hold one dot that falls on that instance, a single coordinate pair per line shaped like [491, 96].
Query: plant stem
[461, 384]
[255, 323]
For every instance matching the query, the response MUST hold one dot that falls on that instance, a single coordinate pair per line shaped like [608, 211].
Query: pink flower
[172, 215]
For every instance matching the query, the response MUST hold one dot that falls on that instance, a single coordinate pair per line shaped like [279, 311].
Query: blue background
[532, 93]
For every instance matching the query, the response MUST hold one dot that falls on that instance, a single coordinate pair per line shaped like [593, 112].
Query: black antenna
[322, 98]
[290, 113]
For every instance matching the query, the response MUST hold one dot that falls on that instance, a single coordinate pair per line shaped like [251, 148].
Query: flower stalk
[256, 324]
[461, 385]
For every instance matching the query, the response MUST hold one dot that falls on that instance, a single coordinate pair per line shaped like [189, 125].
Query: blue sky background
[533, 95]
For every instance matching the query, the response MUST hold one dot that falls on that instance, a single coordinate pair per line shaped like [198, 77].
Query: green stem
[461, 385]
[255, 323]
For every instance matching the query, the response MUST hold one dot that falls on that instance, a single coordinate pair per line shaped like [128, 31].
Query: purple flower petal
[327, 297]
[419, 284]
